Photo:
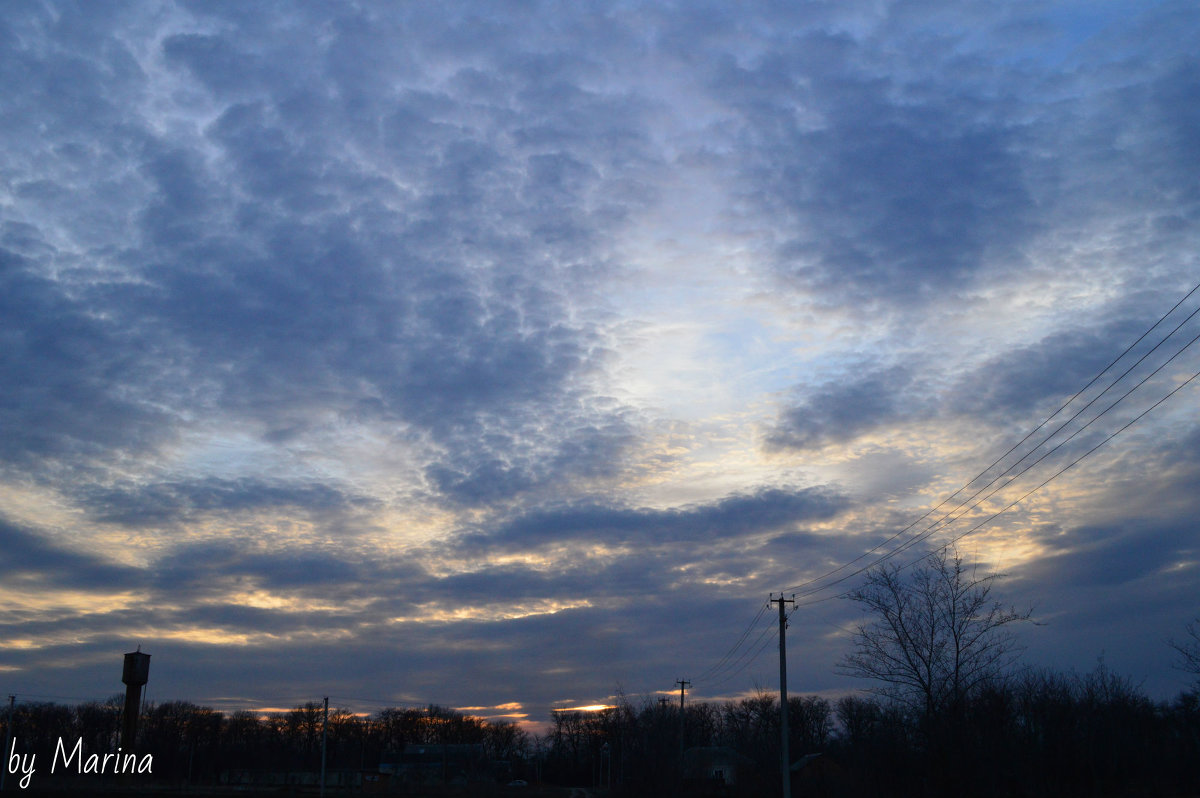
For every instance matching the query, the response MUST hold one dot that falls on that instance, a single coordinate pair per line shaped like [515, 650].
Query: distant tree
[810, 721]
[182, 737]
[505, 741]
[1189, 651]
[858, 717]
[100, 724]
[935, 635]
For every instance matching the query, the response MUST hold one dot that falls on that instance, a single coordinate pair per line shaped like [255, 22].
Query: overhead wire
[746, 633]
[1031, 433]
[1077, 432]
[925, 535]
[1030, 492]
[729, 667]
[748, 657]
[930, 531]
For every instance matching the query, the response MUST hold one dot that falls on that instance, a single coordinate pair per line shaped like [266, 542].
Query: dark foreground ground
[132, 791]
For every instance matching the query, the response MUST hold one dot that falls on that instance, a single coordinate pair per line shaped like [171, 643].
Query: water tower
[135, 675]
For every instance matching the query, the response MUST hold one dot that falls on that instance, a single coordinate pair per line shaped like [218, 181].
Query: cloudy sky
[508, 355]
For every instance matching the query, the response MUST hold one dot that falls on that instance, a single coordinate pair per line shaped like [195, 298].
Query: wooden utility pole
[12, 699]
[683, 685]
[783, 697]
[324, 737]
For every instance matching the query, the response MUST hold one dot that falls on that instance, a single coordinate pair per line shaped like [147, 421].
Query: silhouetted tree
[301, 728]
[100, 724]
[1189, 651]
[935, 635]
[859, 718]
[810, 723]
[39, 725]
[183, 737]
[505, 741]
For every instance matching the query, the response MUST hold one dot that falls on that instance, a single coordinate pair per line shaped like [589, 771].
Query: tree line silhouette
[1041, 733]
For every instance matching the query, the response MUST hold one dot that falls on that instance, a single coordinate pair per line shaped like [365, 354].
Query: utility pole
[12, 699]
[783, 697]
[683, 685]
[324, 737]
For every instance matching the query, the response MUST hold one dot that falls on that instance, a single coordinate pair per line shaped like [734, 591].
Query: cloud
[354, 324]
[1115, 556]
[64, 365]
[728, 519]
[883, 190]
[37, 565]
[840, 411]
[1021, 379]
[177, 502]
[404, 259]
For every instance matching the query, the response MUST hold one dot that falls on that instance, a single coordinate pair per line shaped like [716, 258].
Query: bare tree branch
[935, 635]
[1189, 651]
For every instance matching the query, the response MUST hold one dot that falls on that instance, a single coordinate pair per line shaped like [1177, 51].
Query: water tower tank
[137, 668]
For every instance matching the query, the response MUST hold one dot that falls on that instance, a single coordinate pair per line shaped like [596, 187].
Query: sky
[508, 356]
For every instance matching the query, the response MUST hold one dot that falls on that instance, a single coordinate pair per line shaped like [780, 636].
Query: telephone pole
[783, 698]
[683, 685]
[324, 737]
[12, 699]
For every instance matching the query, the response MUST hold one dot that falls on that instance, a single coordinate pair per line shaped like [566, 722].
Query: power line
[748, 657]
[728, 668]
[1074, 434]
[751, 655]
[1077, 460]
[943, 520]
[930, 532]
[749, 628]
[1029, 493]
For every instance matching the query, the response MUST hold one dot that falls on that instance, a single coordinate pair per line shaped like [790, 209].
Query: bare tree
[934, 635]
[1189, 651]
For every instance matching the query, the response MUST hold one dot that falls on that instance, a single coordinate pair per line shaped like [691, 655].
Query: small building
[817, 775]
[715, 768]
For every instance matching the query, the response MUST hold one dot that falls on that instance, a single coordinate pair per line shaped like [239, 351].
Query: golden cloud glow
[437, 614]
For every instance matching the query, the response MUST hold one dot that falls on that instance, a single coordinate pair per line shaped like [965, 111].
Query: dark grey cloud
[896, 193]
[402, 256]
[253, 560]
[899, 162]
[842, 410]
[401, 664]
[31, 562]
[907, 207]
[1115, 556]
[175, 502]
[736, 516]
[1116, 591]
[64, 367]
[1020, 380]
[297, 225]
[1017, 387]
